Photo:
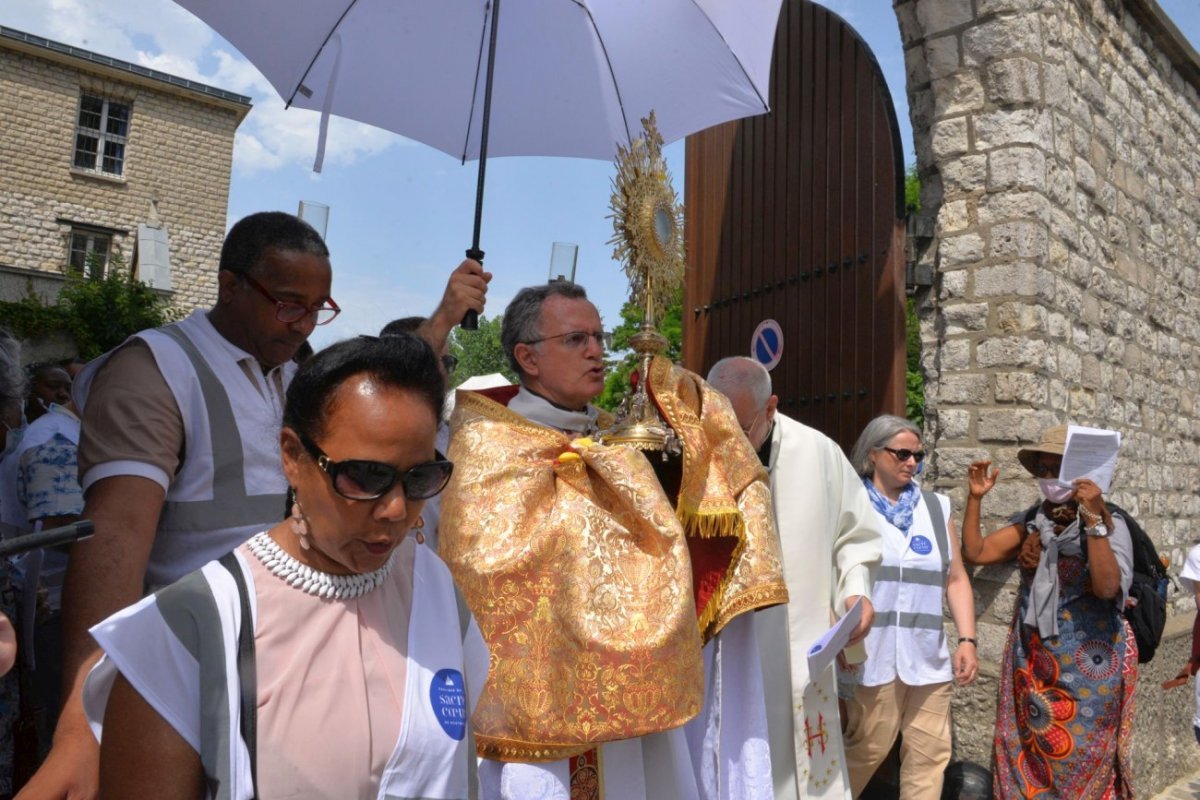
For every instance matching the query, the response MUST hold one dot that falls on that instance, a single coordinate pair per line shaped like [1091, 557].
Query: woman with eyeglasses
[1064, 711]
[904, 685]
[327, 656]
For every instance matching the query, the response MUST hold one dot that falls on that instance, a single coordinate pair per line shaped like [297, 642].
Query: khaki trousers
[922, 713]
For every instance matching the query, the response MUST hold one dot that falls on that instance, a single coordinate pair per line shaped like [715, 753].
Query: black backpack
[1146, 606]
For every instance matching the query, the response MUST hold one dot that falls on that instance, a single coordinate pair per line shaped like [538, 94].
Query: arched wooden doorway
[797, 216]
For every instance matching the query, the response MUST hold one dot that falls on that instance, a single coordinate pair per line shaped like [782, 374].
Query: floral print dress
[1064, 716]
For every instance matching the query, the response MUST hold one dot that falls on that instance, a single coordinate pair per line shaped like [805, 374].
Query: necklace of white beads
[311, 581]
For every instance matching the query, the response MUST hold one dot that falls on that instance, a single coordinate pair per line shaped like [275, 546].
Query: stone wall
[178, 159]
[1057, 146]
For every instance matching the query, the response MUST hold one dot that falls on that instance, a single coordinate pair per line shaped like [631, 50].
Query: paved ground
[1187, 788]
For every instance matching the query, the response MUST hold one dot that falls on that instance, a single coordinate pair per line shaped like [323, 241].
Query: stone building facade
[93, 148]
[1057, 143]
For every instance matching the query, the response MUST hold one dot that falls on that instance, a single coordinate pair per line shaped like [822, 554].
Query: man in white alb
[830, 538]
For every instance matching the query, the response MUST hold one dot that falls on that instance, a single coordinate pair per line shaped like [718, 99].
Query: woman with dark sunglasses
[327, 656]
[904, 685]
[1064, 710]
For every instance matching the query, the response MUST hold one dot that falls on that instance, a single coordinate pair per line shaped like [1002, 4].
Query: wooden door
[797, 216]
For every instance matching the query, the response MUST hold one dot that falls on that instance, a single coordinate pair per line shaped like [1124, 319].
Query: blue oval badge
[449, 700]
[921, 545]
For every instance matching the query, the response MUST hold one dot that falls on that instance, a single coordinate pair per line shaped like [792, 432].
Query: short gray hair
[875, 436]
[736, 374]
[14, 383]
[523, 315]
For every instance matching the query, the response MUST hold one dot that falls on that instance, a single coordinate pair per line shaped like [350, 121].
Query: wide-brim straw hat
[1054, 441]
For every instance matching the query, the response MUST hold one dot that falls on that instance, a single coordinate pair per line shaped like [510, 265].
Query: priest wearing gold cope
[595, 587]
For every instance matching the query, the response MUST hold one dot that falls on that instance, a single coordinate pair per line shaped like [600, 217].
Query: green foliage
[479, 352]
[914, 394]
[912, 188]
[914, 380]
[99, 313]
[30, 317]
[671, 326]
[103, 312]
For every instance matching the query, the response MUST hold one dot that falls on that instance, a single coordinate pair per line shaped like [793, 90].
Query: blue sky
[401, 212]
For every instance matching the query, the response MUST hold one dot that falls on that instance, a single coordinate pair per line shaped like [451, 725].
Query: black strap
[247, 677]
[464, 623]
[939, 525]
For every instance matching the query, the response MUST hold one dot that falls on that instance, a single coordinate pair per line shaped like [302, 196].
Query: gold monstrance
[648, 239]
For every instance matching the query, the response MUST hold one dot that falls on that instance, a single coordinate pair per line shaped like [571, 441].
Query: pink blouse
[331, 682]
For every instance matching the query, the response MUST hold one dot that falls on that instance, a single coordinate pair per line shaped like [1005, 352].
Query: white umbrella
[571, 77]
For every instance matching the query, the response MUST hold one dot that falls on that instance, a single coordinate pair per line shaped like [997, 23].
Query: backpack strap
[247, 676]
[939, 525]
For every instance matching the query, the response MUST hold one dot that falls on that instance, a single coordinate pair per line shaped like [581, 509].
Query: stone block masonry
[1058, 144]
[178, 160]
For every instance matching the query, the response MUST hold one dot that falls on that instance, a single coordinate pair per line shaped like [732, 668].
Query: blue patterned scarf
[900, 513]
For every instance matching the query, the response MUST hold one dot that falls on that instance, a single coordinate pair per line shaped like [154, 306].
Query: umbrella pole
[470, 320]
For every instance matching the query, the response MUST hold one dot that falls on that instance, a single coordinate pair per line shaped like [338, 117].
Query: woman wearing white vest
[904, 685]
[325, 657]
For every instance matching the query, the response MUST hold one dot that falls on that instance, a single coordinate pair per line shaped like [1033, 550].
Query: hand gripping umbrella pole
[470, 320]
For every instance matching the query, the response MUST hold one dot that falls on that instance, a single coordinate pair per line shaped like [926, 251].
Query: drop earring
[417, 527]
[299, 524]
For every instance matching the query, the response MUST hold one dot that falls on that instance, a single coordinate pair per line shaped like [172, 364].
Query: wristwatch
[1098, 531]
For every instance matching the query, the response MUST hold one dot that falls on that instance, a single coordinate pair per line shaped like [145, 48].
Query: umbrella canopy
[572, 77]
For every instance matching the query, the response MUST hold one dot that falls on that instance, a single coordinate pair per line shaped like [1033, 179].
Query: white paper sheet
[825, 649]
[1090, 453]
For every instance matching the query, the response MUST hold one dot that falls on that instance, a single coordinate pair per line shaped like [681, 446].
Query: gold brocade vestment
[577, 569]
[724, 501]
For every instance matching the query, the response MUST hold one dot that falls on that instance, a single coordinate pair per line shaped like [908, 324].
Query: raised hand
[979, 481]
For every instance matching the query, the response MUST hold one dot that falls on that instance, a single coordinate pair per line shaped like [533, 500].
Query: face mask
[1054, 491]
[13, 437]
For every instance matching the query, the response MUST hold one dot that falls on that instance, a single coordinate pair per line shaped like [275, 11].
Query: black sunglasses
[355, 479]
[904, 455]
[1043, 470]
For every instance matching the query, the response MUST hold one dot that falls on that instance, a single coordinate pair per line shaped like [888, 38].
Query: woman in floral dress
[1064, 714]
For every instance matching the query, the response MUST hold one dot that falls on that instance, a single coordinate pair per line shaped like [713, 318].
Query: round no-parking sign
[766, 346]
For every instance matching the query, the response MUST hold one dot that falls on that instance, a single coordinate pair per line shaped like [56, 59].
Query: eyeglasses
[749, 429]
[1043, 470]
[903, 455]
[575, 340]
[449, 363]
[288, 313]
[355, 479]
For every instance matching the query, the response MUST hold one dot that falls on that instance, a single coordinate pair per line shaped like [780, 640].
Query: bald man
[830, 538]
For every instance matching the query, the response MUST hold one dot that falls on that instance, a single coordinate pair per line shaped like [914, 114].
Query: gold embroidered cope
[578, 571]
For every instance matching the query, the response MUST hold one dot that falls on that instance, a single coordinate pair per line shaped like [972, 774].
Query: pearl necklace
[311, 581]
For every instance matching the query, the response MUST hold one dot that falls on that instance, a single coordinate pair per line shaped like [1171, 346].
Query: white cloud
[273, 136]
[161, 35]
[251, 155]
[113, 28]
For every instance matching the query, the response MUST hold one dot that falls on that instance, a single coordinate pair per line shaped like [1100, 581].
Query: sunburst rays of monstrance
[648, 240]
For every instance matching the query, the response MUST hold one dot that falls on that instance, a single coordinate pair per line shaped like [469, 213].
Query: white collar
[540, 410]
[62, 411]
[203, 326]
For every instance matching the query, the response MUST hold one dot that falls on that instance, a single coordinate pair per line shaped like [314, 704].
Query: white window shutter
[153, 257]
